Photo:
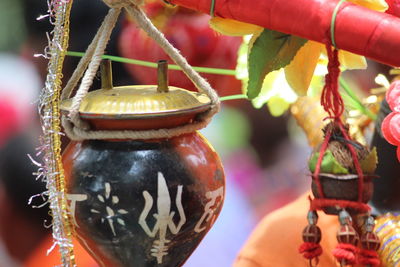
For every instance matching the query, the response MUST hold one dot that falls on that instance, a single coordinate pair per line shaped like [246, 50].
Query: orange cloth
[38, 257]
[276, 240]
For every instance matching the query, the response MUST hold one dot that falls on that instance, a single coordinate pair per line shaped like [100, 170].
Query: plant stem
[154, 65]
[356, 102]
[233, 97]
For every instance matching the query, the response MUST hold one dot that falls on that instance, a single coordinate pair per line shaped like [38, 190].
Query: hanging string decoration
[342, 171]
[52, 169]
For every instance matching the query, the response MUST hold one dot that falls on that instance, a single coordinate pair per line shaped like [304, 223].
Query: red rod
[359, 30]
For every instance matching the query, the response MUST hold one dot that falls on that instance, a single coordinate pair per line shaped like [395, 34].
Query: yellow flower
[301, 70]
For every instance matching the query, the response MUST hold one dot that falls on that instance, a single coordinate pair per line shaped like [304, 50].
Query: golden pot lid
[139, 101]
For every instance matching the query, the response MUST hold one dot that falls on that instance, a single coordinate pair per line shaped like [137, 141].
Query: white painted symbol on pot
[164, 217]
[72, 206]
[210, 208]
[111, 213]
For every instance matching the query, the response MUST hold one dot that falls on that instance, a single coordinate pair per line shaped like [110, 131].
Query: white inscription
[210, 208]
[112, 214]
[164, 217]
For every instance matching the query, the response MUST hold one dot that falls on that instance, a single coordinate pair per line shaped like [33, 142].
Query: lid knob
[162, 76]
[106, 74]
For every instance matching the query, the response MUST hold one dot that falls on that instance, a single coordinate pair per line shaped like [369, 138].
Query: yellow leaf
[233, 27]
[368, 165]
[378, 5]
[352, 61]
[300, 71]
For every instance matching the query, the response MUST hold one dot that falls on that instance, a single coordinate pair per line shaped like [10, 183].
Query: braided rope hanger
[77, 129]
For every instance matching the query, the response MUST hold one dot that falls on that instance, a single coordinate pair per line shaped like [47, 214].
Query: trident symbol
[164, 217]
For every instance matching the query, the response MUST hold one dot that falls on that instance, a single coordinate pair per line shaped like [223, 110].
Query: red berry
[394, 126]
[393, 95]
[387, 131]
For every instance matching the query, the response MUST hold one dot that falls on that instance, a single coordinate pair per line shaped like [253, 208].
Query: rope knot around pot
[77, 129]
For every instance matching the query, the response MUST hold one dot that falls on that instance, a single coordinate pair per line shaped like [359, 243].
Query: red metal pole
[359, 30]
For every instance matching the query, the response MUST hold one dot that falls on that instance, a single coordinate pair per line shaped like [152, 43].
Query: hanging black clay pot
[342, 187]
[142, 202]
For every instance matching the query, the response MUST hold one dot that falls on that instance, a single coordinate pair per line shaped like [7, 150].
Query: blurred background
[264, 156]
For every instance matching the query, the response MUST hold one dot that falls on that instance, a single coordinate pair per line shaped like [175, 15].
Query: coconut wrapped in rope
[337, 157]
[337, 179]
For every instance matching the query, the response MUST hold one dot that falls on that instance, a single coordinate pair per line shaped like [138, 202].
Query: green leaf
[329, 164]
[271, 51]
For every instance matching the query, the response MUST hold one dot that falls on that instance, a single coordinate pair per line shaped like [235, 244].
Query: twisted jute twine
[78, 130]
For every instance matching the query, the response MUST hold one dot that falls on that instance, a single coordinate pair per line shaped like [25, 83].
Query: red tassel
[310, 250]
[318, 204]
[345, 252]
[368, 257]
